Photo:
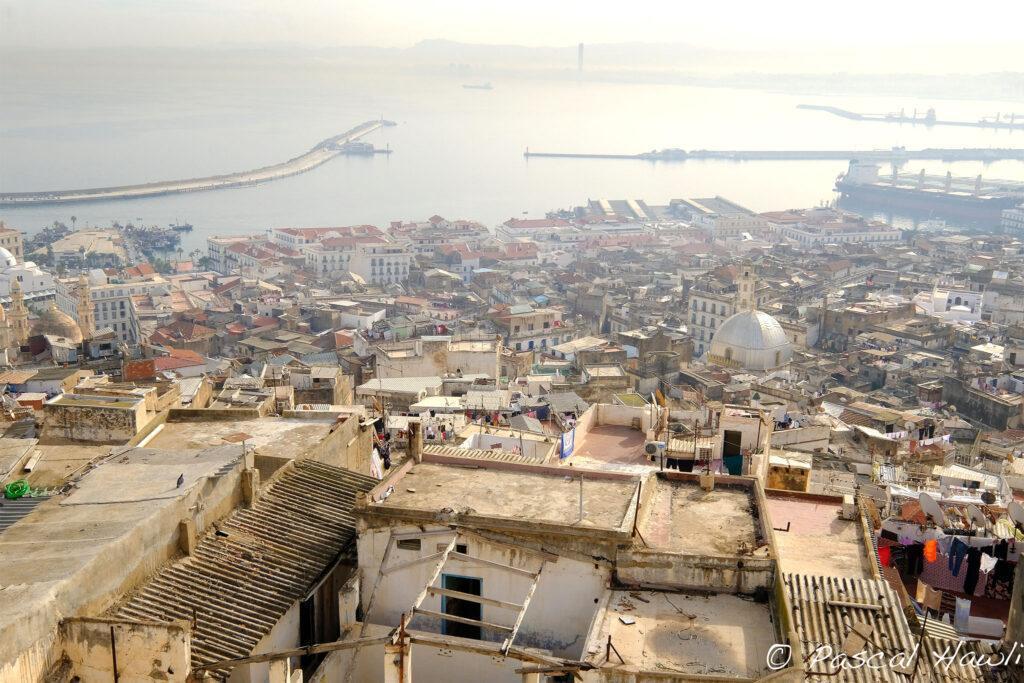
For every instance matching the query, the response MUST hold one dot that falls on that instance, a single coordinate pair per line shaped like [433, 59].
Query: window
[409, 544]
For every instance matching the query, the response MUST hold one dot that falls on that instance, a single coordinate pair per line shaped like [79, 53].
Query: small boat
[478, 86]
[181, 227]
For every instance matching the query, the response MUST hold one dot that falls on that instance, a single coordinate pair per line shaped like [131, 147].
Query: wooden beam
[522, 612]
[463, 620]
[490, 563]
[435, 574]
[488, 648]
[294, 652]
[474, 598]
[412, 562]
[548, 669]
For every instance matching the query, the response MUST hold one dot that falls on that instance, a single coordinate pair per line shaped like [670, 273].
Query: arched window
[778, 358]
[728, 353]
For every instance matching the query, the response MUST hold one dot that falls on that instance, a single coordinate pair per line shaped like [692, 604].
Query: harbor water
[458, 152]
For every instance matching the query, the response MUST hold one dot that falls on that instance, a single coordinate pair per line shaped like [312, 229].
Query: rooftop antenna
[931, 509]
[977, 516]
[1016, 512]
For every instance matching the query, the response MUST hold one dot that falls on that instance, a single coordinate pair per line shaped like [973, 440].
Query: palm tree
[180, 252]
[74, 219]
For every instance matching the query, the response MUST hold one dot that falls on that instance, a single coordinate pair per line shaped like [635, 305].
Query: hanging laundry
[940, 576]
[988, 563]
[884, 556]
[957, 552]
[931, 550]
[928, 596]
[944, 544]
[915, 559]
[973, 568]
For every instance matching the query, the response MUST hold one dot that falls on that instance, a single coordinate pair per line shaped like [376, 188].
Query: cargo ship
[949, 197]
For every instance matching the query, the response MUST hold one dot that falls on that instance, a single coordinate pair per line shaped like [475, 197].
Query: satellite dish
[1016, 512]
[931, 509]
[977, 516]
[909, 425]
[988, 498]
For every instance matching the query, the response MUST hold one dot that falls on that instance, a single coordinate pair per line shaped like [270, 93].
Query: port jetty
[346, 143]
[1010, 121]
[897, 155]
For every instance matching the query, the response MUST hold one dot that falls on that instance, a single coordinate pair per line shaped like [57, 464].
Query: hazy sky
[736, 24]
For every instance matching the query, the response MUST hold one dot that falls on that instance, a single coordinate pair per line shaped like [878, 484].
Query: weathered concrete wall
[212, 415]
[980, 406]
[787, 478]
[662, 569]
[126, 562]
[349, 445]
[93, 424]
[559, 613]
[609, 414]
[284, 636]
[146, 651]
[810, 438]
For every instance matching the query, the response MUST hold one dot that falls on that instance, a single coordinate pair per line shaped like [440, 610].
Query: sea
[456, 152]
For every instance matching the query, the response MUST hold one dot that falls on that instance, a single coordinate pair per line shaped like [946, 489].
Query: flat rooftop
[60, 459]
[682, 517]
[287, 437]
[818, 542]
[711, 635]
[542, 495]
[69, 551]
[612, 447]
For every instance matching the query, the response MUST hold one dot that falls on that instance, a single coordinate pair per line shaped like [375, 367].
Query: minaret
[746, 283]
[86, 316]
[5, 331]
[18, 315]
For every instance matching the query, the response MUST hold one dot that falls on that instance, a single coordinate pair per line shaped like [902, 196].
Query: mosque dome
[7, 259]
[751, 339]
[57, 323]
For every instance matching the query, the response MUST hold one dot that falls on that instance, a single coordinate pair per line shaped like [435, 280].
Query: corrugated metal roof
[482, 454]
[821, 616]
[13, 510]
[242, 583]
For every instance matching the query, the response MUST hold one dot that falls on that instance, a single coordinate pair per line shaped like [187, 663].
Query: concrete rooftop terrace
[673, 633]
[679, 516]
[74, 552]
[612, 447]
[289, 436]
[528, 495]
[818, 542]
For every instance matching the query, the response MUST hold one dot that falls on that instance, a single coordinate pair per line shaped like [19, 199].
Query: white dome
[753, 340]
[7, 258]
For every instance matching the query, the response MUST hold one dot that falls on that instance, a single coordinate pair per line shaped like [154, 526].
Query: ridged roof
[244, 577]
